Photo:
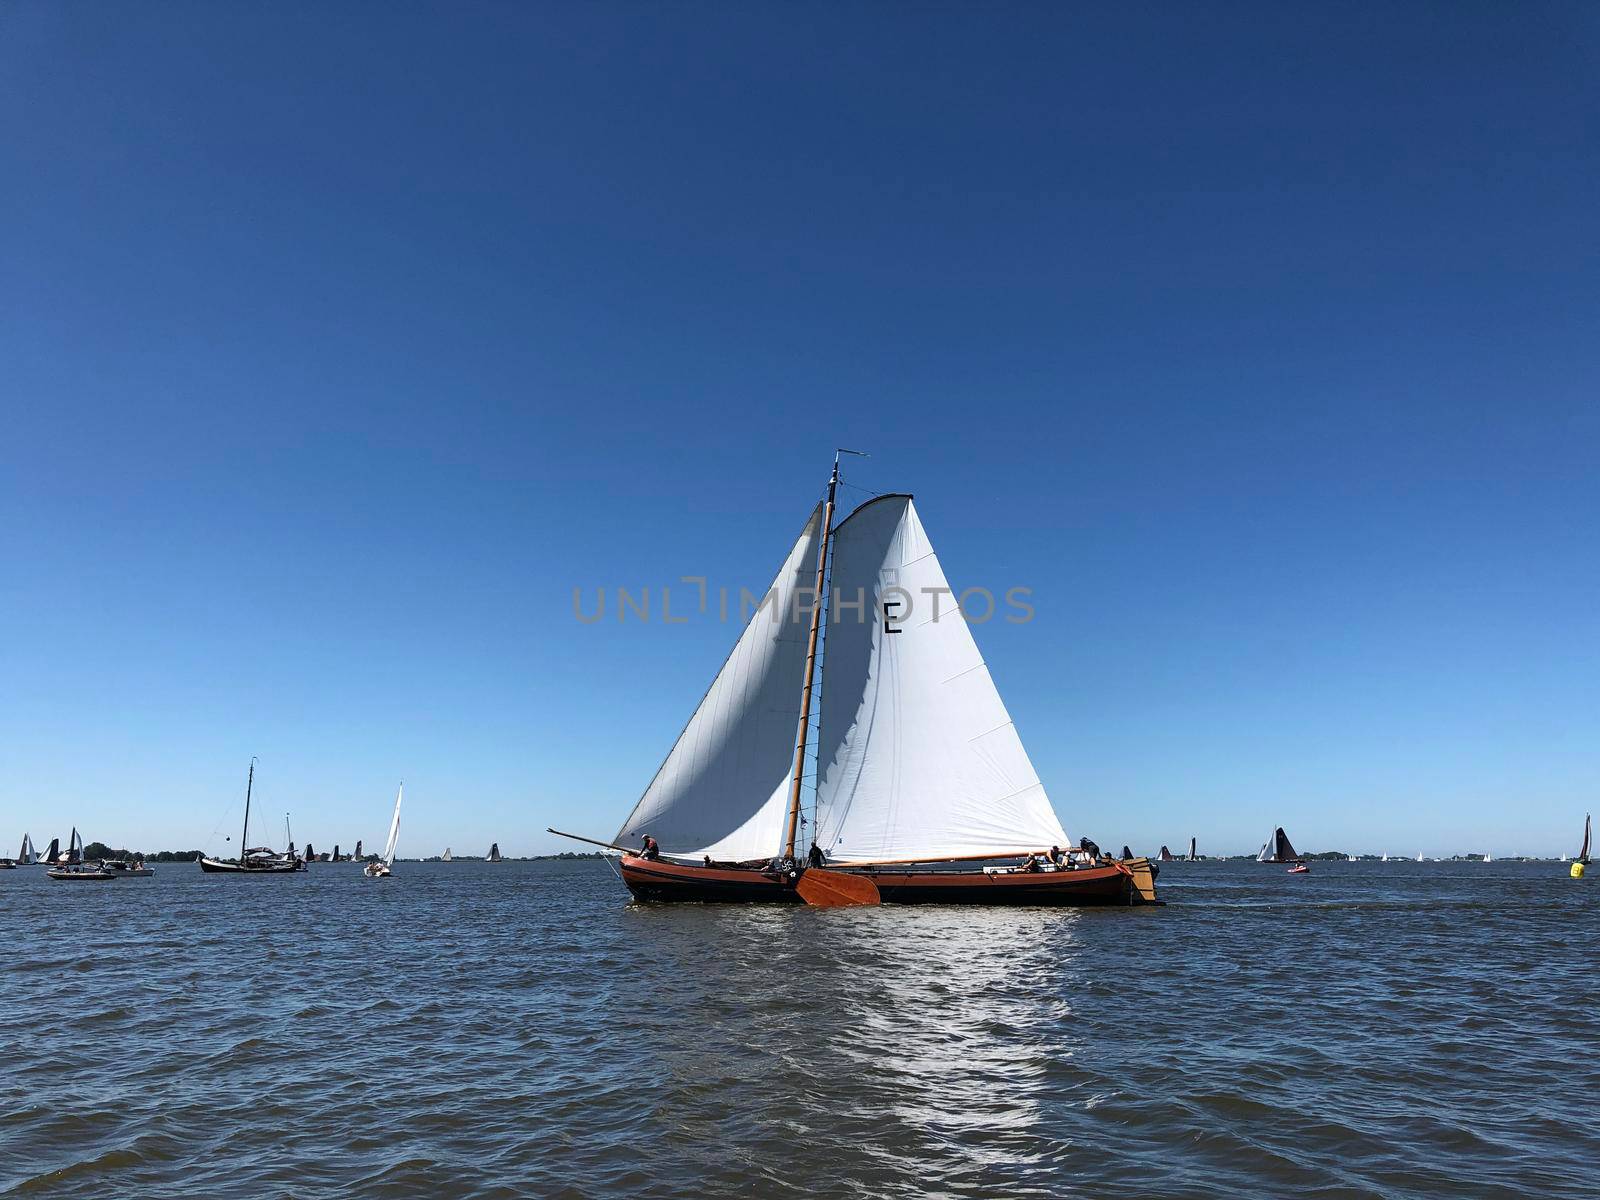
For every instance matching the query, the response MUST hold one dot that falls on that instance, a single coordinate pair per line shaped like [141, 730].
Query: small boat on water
[445, 857]
[385, 866]
[1351, 858]
[1193, 857]
[1300, 868]
[1581, 864]
[494, 852]
[921, 789]
[123, 869]
[1419, 858]
[1278, 849]
[71, 867]
[1166, 856]
[261, 860]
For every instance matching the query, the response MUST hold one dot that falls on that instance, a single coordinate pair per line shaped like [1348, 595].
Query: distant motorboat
[383, 867]
[123, 869]
[1299, 869]
[80, 874]
[261, 860]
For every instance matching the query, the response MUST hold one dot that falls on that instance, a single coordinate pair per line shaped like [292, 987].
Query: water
[469, 1030]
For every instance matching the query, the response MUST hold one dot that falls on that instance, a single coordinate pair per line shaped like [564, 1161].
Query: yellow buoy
[1577, 870]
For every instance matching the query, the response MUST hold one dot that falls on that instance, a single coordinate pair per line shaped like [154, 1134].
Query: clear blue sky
[340, 342]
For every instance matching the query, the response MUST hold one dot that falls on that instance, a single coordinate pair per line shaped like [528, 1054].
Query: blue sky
[340, 343]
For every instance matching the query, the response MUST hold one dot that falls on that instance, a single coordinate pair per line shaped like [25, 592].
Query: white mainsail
[27, 858]
[394, 829]
[723, 788]
[918, 758]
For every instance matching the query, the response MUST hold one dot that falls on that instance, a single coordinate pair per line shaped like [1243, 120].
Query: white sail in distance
[394, 829]
[918, 757]
[723, 789]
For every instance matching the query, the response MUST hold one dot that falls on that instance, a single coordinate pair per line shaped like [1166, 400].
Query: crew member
[814, 857]
[651, 851]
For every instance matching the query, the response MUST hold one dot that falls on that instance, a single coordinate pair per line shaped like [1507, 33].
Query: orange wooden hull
[665, 882]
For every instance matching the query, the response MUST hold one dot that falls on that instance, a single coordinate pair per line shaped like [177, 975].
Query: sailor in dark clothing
[1031, 864]
[651, 851]
[815, 857]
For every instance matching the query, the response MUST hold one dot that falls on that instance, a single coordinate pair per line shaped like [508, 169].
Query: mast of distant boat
[244, 836]
[818, 604]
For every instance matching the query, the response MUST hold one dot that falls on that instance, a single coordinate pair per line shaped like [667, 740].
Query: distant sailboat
[1419, 858]
[261, 860]
[1487, 857]
[1352, 858]
[1193, 857]
[1278, 849]
[357, 856]
[1166, 855]
[27, 856]
[1385, 858]
[72, 868]
[1582, 864]
[494, 852]
[383, 867]
[445, 857]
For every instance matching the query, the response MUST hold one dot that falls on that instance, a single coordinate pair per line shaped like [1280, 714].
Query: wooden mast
[817, 605]
[244, 838]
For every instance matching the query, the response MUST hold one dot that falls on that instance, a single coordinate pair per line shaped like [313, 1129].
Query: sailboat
[1166, 855]
[261, 860]
[1581, 863]
[1193, 857]
[70, 867]
[494, 853]
[1350, 858]
[357, 856]
[384, 866]
[920, 776]
[1419, 858]
[1278, 848]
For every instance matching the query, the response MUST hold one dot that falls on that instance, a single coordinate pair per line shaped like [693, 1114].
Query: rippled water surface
[521, 1030]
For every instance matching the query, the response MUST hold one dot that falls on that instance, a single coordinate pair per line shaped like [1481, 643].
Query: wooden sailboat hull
[214, 866]
[1121, 884]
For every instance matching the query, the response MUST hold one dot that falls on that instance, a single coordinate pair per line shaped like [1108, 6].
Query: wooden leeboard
[835, 889]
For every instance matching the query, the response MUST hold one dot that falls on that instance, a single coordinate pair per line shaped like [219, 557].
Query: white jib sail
[394, 828]
[723, 789]
[918, 756]
[26, 858]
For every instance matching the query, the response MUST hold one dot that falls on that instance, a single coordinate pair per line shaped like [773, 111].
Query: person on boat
[651, 851]
[708, 860]
[1031, 863]
[814, 856]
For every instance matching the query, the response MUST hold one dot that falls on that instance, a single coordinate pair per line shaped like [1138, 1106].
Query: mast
[244, 838]
[817, 606]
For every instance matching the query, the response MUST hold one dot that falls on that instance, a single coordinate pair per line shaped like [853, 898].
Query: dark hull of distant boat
[1121, 884]
[214, 866]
